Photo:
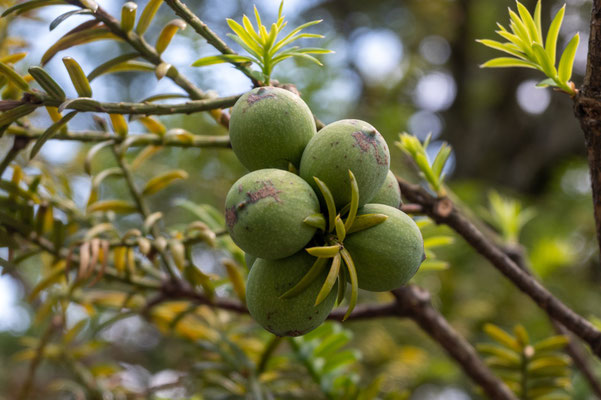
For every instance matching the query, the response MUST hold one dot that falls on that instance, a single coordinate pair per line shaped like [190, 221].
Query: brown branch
[442, 211]
[587, 108]
[410, 302]
[416, 303]
[177, 289]
[412, 208]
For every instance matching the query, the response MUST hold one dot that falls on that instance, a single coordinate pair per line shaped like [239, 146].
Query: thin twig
[91, 105]
[412, 208]
[415, 302]
[141, 139]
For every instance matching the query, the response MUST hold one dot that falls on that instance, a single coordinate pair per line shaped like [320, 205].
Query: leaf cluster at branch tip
[263, 47]
[528, 50]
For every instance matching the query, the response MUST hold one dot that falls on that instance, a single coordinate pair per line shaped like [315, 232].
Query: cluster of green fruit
[340, 210]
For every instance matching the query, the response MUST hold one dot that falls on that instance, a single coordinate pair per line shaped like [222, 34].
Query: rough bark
[587, 108]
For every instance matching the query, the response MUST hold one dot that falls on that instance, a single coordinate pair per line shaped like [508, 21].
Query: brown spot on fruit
[365, 140]
[253, 98]
[272, 202]
[268, 190]
[231, 217]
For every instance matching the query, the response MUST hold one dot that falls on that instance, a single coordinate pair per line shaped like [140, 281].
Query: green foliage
[507, 216]
[549, 253]
[532, 370]
[431, 172]
[263, 46]
[525, 44]
[331, 365]
[104, 239]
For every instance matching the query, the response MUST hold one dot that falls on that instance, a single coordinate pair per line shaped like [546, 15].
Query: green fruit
[249, 260]
[269, 279]
[264, 213]
[343, 145]
[389, 193]
[270, 127]
[387, 255]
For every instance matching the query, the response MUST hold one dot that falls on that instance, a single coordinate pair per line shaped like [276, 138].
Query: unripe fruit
[264, 212]
[269, 128]
[295, 316]
[387, 255]
[343, 145]
[389, 193]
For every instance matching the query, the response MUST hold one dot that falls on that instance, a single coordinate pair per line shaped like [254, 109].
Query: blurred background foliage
[403, 66]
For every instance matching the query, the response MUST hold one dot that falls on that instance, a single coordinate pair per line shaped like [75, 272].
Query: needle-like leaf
[567, 59]
[354, 205]
[147, 15]
[330, 204]
[13, 76]
[341, 288]
[529, 23]
[315, 270]
[323, 251]
[340, 230]
[553, 34]
[317, 221]
[504, 62]
[330, 281]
